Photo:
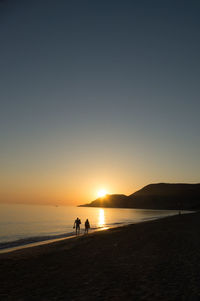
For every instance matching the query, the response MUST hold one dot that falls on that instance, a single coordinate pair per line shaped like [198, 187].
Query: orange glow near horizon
[101, 193]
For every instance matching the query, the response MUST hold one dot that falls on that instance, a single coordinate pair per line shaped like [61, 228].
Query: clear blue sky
[97, 94]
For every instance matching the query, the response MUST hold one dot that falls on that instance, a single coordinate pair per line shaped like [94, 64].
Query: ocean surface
[26, 224]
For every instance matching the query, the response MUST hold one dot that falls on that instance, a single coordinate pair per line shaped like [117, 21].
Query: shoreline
[155, 260]
[34, 238]
[48, 241]
[67, 236]
[39, 241]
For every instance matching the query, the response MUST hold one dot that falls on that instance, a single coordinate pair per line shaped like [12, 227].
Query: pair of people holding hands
[77, 224]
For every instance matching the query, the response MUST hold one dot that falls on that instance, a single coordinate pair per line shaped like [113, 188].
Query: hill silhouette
[154, 196]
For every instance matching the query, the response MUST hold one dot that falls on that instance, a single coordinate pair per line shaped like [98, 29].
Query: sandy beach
[157, 260]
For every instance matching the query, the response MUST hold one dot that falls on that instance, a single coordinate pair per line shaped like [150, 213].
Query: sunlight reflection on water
[101, 218]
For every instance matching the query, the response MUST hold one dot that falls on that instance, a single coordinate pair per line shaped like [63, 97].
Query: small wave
[31, 240]
[116, 224]
[40, 239]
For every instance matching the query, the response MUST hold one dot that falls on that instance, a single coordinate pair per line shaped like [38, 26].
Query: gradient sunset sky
[97, 94]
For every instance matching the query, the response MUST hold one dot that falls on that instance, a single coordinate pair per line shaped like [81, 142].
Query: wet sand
[157, 260]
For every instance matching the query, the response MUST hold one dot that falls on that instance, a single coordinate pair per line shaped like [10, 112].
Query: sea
[26, 225]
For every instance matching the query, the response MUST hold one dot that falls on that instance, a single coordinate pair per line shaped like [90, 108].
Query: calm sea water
[23, 224]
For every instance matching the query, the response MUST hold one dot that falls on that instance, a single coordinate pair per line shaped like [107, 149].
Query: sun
[101, 193]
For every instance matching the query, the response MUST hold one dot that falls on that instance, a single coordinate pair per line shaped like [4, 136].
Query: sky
[97, 95]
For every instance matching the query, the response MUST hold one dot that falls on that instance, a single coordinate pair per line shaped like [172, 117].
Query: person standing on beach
[87, 226]
[77, 223]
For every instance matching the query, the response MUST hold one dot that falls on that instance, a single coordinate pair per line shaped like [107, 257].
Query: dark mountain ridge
[154, 196]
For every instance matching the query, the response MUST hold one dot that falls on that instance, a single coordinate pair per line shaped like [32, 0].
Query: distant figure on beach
[87, 226]
[77, 223]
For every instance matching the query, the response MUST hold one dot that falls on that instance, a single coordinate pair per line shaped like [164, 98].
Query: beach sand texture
[157, 260]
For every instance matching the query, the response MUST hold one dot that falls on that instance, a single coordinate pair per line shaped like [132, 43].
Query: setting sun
[101, 193]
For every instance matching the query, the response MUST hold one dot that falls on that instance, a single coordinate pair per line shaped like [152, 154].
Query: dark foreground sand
[158, 260]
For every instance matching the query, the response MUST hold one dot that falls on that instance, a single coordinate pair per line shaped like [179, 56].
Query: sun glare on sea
[101, 193]
[101, 218]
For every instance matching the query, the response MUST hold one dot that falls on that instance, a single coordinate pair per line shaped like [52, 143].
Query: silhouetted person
[77, 223]
[87, 226]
